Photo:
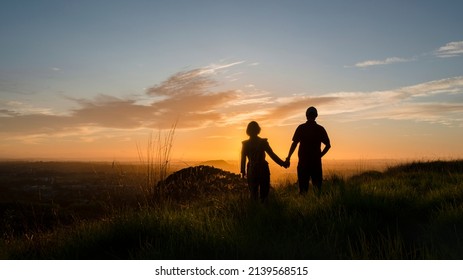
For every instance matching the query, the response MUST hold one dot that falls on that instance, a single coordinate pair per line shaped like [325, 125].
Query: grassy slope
[414, 211]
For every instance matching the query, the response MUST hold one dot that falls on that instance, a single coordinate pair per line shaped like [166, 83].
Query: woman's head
[253, 129]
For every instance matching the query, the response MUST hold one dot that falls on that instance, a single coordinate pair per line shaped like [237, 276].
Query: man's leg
[317, 178]
[303, 177]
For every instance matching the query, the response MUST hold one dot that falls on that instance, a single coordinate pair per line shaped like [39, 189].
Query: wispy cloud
[214, 68]
[193, 98]
[21, 108]
[435, 101]
[450, 50]
[389, 60]
[188, 96]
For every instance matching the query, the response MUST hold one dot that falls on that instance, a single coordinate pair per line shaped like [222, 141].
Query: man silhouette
[310, 135]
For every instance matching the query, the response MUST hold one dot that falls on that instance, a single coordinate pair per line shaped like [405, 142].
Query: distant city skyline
[91, 80]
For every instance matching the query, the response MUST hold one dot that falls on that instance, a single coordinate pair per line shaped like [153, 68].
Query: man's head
[311, 113]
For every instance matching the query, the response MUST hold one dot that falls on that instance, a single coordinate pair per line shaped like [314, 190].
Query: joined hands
[286, 164]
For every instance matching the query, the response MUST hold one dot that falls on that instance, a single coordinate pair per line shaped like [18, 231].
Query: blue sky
[382, 73]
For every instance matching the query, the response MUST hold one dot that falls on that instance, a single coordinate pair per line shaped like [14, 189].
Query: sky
[95, 80]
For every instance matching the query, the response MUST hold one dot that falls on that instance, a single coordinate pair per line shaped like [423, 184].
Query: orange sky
[211, 119]
[386, 77]
[364, 141]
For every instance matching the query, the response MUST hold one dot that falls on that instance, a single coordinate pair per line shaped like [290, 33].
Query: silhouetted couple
[309, 135]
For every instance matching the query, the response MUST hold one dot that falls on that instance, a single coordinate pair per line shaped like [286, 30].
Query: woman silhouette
[258, 172]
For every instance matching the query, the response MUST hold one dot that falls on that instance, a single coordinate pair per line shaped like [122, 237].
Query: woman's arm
[273, 156]
[243, 161]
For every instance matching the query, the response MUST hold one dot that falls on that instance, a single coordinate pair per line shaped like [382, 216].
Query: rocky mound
[200, 181]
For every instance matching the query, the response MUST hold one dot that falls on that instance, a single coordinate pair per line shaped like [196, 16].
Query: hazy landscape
[92, 93]
[88, 210]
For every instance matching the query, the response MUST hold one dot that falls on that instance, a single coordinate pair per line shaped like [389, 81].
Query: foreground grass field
[412, 211]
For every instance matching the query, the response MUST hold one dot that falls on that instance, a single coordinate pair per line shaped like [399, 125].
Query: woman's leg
[254, 190]
[264, 188]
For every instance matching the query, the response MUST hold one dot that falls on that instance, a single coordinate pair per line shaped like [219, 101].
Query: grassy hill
[411, 211]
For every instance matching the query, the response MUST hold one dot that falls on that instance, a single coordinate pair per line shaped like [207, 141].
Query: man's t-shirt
[310, 135]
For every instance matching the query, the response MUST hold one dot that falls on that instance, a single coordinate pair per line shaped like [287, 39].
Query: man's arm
[326, 149]
[326, 141]
[291, 151]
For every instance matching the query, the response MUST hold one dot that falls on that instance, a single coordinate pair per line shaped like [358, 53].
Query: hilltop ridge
[221, 164]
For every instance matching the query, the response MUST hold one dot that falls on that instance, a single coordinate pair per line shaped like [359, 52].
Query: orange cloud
[191, 98]
[186, 96]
